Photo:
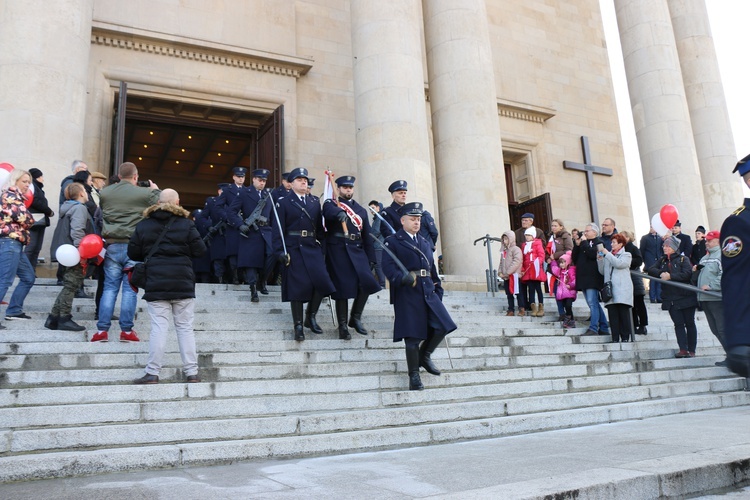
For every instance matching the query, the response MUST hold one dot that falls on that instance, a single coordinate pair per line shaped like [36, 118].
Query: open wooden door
[269, 145]
[118, 152]
[541, 207]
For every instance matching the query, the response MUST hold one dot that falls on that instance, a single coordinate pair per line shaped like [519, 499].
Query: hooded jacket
[169, 271]
[511, 257]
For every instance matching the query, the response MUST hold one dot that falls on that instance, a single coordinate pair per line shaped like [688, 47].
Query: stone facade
[441, 93]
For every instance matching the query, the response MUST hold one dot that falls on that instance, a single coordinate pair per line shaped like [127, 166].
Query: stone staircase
[68, 407]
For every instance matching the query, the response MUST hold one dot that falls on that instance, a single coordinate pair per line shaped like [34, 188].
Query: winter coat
[532, 268]
[75, 223]
[696, 254]
[15, 219]
[710, 274]
[40, 205]
[520, 237]
[566, 281]
[639, 289]
[607, 239]
[587, 271]
[680, 270]
[123, 205]
[511, 257]
[169, 271]
[563, 242]
[651, 249]
[619, 267]
[686, 244]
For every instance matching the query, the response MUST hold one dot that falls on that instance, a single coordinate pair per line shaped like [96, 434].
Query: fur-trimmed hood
[167, 207]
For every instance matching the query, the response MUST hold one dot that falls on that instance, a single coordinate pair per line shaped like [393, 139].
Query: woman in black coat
[84, 177]
[680, 303]
[640, 313]
[39, 205]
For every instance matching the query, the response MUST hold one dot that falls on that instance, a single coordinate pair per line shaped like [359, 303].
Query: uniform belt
[303, 233]
[352, 237]
[421, 272]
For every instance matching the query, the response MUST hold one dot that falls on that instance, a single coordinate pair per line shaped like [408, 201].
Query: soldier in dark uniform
[202, 265]
[217, 247]
[350, 256]
[304, 277]
[392, 214]
[232, 235]
[255, 254]
[283, 190]
[416, 295]
[735, 285]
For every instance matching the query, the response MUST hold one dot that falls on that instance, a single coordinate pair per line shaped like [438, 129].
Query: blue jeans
[654, 290]
[13, 261]
[115, 261]
[598, 318]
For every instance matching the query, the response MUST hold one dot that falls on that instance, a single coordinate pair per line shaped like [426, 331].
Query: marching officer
[735, 261]
[232, 235]
[282, 190]
[215, 234]
[416, 294]
[350, 256]
[304, 277]
[250, 213]
[202, 264]
[392, 214]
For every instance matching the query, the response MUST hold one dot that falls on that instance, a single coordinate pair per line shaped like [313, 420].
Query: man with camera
[122, 206]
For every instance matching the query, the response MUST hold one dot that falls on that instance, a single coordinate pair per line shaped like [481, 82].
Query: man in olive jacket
[170, 281]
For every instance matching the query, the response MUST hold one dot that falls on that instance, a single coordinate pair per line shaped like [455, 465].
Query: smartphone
[600, 246]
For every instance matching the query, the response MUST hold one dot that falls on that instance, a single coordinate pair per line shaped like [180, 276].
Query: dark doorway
[189, 147]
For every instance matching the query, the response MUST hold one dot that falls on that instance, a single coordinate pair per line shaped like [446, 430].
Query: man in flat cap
[350, 256]
[392, 214]
[250, 213]
[416, 295]
[304, 276]
[735, 285]
[527, 221]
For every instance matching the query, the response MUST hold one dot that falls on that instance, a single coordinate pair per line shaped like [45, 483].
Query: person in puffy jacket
[565, 292]
[532, 273]
[510, 266]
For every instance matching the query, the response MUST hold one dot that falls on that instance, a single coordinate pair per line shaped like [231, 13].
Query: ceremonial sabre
[382, 220]
[278, 223]
[391, 254]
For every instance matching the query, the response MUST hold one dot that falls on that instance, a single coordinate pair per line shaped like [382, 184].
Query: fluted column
[466, 131]
[712, 131]
[44, 61]
[660, 111]
[389, 99]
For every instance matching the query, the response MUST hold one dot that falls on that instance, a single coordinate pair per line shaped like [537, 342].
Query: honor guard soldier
[282, 190]
[350, 255]
[216, 241]
[251, 214]
[202, 264]
[416, 294]
[735, 285]
[392, 214]
[232, 235]
[295, 241]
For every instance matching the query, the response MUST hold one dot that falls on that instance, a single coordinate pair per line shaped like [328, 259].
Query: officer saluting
[392, 214]
[250, 213]
[735, 261]
[416, 294]
[350, 256]
[304, 277]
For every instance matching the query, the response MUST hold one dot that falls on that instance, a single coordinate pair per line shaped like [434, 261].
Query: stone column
[466, 131]
[44, 61]
[660, 111]
[389, 100]
[712, 131]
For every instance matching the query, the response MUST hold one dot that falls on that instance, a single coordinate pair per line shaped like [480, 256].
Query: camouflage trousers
[72, 281]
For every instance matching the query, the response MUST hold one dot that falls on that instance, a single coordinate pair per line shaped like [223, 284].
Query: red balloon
[669, 215]
[90, 246]
[29, 196]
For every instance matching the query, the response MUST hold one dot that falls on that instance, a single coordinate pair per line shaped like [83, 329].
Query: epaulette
[739, 210]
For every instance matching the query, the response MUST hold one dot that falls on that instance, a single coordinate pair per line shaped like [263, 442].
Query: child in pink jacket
[566, 286]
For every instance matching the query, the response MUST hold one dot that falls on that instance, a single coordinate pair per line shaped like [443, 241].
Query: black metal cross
[590, 170]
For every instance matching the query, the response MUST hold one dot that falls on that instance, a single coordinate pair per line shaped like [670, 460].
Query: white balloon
[657, 224]
[68, 255]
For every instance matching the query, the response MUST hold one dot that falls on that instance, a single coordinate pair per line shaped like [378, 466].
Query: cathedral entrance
[192, 147]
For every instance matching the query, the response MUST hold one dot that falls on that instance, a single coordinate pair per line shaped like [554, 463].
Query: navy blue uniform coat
[349, 260]
[251, 250]
[202, 264]
[411, 304]
[735, 285]
[218, 242]
[231, 234]
[428, 230]
[306, 271]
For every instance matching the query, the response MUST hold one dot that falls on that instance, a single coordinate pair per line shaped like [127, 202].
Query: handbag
[605, 294]
[137, 276]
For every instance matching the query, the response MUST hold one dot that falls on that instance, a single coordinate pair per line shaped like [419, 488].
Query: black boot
[312, 310]
[235, 277]
[428, 347]
[357, 307]
[51, 323]
[262, 288]
[299, 332]
[254, 294]
[412, 362]
[341, 309]
[67, 323]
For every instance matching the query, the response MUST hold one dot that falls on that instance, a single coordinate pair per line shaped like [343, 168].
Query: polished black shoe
[426, 363]
[299, 333]
[262, 289]
[80, 294]
[12, 317]
[344, 332]
[51, 323]
[641, 330]
[147, 379]
[415, 383]
[193, 379]
[356, 323]
[254, 294]
[312, 324]
[66, 323]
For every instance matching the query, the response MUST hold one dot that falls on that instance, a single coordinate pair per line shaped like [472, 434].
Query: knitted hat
[673, 242]
[530, 232]
[567, 257]
[35, 173]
